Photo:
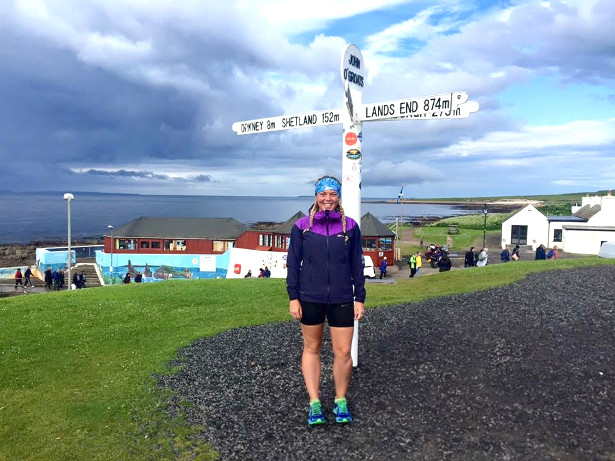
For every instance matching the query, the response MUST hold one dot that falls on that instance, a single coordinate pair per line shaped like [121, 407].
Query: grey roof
[371, 227]
[182, 228]
[587, 211]
[591, 228]
[286, 227]
[566, 219]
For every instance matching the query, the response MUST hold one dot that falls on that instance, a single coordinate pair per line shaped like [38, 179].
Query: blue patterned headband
[328, 183]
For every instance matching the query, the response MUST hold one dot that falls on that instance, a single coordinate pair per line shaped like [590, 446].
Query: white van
[607, 250]
[368, 269]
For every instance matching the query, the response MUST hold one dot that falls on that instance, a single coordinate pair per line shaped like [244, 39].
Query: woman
[483, 258]
[445, 263]
[325, 279]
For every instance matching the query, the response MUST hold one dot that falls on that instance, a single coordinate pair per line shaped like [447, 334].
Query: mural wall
[234, 263]
[160, 267]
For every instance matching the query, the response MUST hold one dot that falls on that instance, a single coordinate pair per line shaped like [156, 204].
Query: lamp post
[110, 227]
[69, 260]
[485, 210]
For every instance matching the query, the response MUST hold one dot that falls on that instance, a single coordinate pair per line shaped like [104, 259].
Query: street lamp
[485, 210]
[69, 260]
[110, 227]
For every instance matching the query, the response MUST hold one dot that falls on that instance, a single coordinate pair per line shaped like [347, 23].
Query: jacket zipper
[327, 253]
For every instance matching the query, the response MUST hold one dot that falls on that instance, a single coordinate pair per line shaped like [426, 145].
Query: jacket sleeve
[293, 263]
[358, 275]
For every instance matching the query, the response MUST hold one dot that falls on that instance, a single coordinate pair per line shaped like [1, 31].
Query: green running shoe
[342, 414]
[316, 417]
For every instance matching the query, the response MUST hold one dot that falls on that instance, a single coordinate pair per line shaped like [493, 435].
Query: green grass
[547, 199]
[76, 367]
[439, 236]
[474, 221]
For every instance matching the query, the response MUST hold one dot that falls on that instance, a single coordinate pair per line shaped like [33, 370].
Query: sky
[139, 96]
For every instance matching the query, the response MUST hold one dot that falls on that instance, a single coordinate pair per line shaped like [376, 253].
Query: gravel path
[520, 372]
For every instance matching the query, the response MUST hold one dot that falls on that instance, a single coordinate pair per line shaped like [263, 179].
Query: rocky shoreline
[15, 254]
[494, 207]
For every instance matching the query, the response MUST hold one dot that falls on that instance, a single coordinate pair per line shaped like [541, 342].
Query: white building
[591, 224]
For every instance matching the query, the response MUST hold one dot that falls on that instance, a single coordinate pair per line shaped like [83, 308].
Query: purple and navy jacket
[325, 265]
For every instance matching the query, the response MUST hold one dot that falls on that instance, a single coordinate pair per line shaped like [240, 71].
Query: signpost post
[352, 116]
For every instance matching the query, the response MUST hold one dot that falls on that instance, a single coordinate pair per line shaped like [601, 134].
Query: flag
[400, 195]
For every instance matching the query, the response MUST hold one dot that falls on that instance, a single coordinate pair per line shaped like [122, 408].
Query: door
[518, 235]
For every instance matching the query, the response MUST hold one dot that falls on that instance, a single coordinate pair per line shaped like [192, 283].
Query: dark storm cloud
[145, 175]
[127, 174]
[108, 96]
[60, 110]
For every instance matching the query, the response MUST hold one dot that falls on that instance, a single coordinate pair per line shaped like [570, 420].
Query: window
[156, 244]
[220, 245]
[557, 235]
[144, 244]
[175, 245]
[385, 244]
[264, 240]
[369, 244]
[126, 244]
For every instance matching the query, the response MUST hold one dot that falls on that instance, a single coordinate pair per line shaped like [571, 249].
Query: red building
[378, 239]
[175, 235]
[148, 235]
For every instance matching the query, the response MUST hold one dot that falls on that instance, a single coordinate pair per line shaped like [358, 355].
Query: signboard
[354, 78]
[447, 105]
[288, 122]
[207, 263]
[354, 73]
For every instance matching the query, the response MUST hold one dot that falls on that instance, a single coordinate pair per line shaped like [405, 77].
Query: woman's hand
[295, 309]
[359, 308]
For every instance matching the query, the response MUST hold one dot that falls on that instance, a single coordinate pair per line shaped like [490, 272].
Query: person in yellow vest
[412, 264]
[419, 263]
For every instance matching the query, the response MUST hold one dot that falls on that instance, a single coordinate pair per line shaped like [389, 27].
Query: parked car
[368, 269]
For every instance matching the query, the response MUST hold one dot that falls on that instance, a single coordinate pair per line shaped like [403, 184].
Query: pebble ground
[521, 372]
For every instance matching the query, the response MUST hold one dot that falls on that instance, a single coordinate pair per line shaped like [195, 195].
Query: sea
[42, 217]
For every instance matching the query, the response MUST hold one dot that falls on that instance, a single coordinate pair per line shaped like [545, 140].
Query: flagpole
[401, 207]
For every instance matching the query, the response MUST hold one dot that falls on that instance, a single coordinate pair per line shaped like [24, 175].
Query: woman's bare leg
[310, 360]
[341, 339]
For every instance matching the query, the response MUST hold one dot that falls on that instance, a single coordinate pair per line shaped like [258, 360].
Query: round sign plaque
[353, 69]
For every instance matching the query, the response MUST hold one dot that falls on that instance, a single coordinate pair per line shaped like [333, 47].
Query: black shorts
[338, 315]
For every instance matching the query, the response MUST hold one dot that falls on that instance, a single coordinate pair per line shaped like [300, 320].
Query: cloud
[304, 16]
[387, 172]
[139, 175]
[125, 174]
[566, 139]
[144, 94]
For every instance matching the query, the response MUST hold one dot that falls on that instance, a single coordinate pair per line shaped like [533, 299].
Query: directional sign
[447, 105]
[289, 122]
[354, 77]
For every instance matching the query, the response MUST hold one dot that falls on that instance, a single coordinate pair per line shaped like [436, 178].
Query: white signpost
[354, 78]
